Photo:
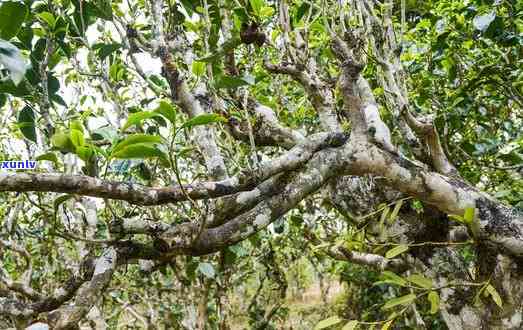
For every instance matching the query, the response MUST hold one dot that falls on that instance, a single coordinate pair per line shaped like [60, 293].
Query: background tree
[201, 162]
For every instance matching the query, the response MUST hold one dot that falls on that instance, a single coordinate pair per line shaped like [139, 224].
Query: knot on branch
[352, 67]
[169, 69]
[354, 39]
[116, 226]
[250, 34]
[337, 139]
[284, 67]
[86, 270]
[248, 178]
[131, 32]
[348, 50]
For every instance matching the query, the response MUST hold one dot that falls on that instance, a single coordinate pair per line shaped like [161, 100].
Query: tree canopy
[199, 163]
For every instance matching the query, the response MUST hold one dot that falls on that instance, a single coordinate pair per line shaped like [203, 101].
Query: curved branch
[19, 310]
[181, 95]
[299, 184]
[368, 259]
[498, 223]
[267, 130]
[319, 93]
[88, 294]
[141, 195]
[426, 129]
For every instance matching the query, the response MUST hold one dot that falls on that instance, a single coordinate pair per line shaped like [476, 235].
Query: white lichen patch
[380, 132]
[400, 173]
[134, 224]
[247, 195]
[38, 326]
[443, 193]
[105, 262]
[261, 220]
[59, 292]
[266, 112]
[514, 322]
[514, 245]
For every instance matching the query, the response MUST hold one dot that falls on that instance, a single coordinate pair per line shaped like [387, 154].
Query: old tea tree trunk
[227, 161]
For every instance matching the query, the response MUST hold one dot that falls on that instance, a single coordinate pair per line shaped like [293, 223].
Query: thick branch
[299, 184]
[368, 259]
[181, 94]
[88, 294]
[427, 131]
[23, 311]
[138, 194]
[319, 93]
[498, 224]
[267, 130]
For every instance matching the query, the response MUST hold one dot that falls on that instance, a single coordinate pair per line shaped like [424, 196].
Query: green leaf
[50, 156]
[105, 50]
[420, 281]
[232, 82]
[387, 325]
[204, 119]
[107, 133]
[135, 139]
[386, 282]
[266, 11]
[351, 325]
[167, 110]
[76, 124]
[85, 153]
[403, 300]
[77, 137]
[469, 215]
[198, 68]
[433, 298]
[62, 141]
[103, 9]
[328, 322]
[9, 87]
[395, 251]
[304, 8]
[456, 102]
[216, 21]
[471, 222]
[393, 278]
[26, 123]
[12, 15]
[12, 60]
[394, 214]
[117, 71]
[384, 214]
[257, 6]
[137, 118]
[140, 151]
[383, 232]
[48, 18]
[457, 218]
[206, 269]
[495, 295]
[189, 6]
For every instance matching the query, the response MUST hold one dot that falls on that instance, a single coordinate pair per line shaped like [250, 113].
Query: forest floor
[306, 311]
[305, 308]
